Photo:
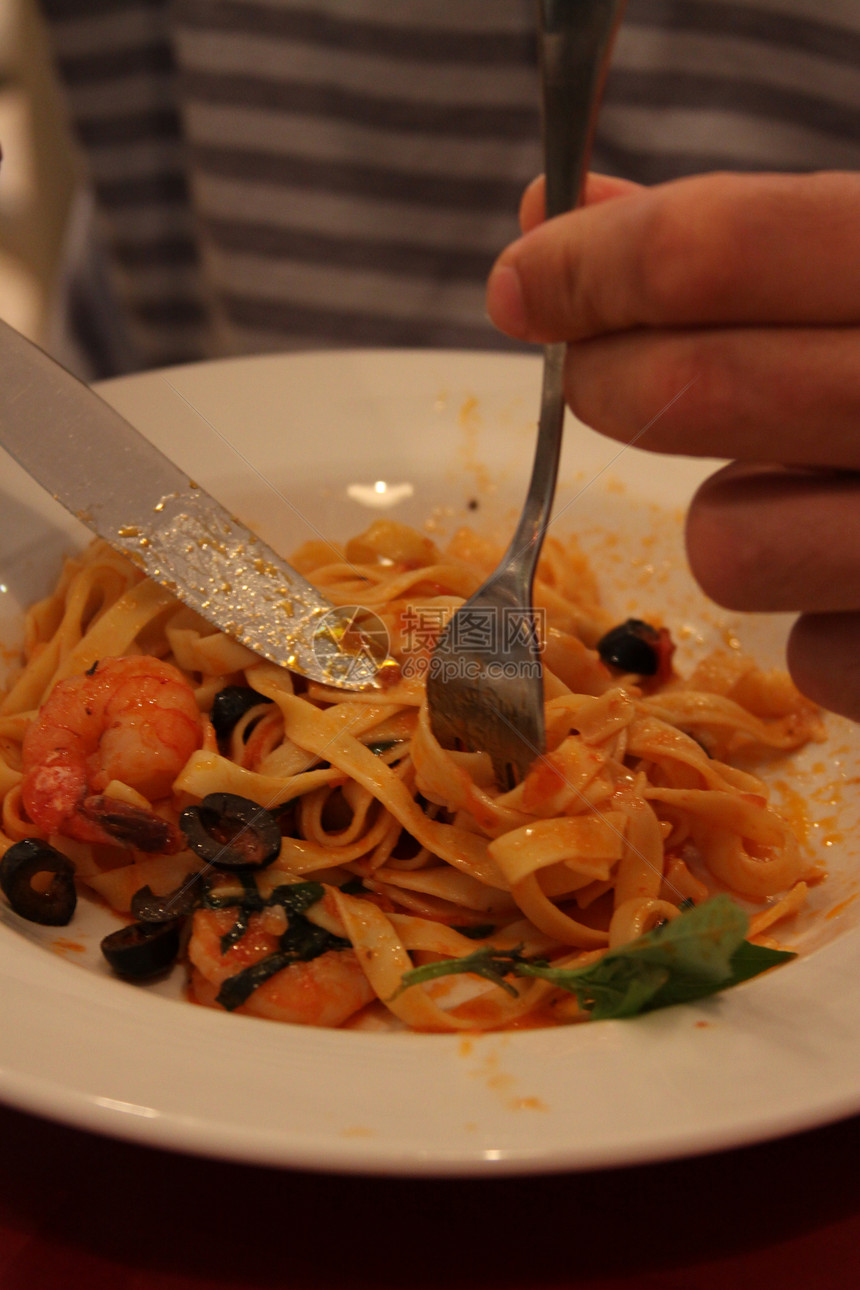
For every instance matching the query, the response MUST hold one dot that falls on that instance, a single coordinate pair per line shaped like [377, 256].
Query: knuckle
[592, 389]
[822, 654]
[562, 300]
[684, 263]
[677, 386]
[640, 389]
[726, 556]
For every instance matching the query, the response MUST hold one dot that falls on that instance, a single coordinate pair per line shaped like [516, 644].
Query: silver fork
[485, 680]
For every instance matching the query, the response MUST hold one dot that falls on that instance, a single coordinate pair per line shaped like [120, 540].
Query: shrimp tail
[107, 819]
[52, 790]
[133, 719]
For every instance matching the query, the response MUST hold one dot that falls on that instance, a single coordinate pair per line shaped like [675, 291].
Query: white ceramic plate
[297, 445]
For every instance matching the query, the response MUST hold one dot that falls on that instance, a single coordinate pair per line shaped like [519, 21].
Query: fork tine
[491, 700]
[472, 709]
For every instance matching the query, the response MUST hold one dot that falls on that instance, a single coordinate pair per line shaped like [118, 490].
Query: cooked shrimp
[130, 719]
[324, 991]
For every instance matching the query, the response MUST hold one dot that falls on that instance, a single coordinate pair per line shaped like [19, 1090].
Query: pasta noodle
[392, 852]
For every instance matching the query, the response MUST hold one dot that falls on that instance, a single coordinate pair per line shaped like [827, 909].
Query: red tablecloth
[87, 1213]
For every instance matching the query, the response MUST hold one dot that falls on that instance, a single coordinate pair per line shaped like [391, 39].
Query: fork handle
[574, 42]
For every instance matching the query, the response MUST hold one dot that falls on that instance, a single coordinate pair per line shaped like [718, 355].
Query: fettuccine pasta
[391, 852]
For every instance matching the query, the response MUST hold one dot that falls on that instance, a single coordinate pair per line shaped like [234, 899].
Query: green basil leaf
[700, 952]
[489, 963]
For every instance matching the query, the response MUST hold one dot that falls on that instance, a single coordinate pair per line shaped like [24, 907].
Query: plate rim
[98, 1112]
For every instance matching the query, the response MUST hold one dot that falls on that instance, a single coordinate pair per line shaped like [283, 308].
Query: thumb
[598, 188]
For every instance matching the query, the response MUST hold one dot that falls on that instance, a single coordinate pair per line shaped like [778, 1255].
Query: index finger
[709, 250]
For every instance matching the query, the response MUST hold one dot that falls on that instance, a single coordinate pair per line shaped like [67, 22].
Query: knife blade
[127, 491]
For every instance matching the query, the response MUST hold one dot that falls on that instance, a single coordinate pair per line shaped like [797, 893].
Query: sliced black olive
[231, 832]
[149, 908]
[631, 647]
[50, 901]
[230, 705]
[143, 949]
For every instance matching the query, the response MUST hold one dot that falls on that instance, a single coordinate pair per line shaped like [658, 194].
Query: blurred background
[43, 207]
[306, 174]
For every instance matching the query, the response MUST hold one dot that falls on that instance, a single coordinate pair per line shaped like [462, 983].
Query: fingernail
[505, 303]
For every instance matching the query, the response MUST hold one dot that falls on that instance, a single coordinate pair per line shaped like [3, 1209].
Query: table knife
[127, 491]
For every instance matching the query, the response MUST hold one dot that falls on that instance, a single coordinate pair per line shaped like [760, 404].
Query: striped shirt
[281, 174]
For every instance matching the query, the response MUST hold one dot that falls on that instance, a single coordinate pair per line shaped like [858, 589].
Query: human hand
[719, 316]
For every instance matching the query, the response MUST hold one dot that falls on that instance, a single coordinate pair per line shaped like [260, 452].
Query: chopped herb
[702, 951]
[237, 931]
[383, 746]
[296, 897]
[493, 965]
[237, 989]
[248, 904]
[304, 940]
[301, 942]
